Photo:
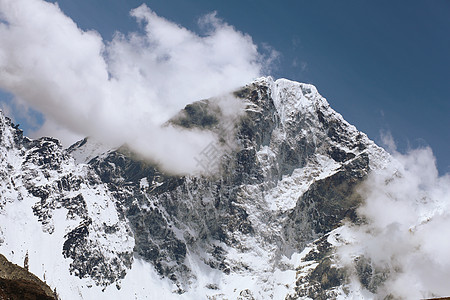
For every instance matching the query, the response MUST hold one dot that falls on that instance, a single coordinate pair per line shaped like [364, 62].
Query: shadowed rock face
[17, 283]
[326, 203]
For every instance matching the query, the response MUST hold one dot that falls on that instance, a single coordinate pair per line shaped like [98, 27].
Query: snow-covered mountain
[99, 223]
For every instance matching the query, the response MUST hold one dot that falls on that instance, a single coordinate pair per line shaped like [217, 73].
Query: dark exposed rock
[340, 155]
[321, 281]
[75, 238]
[370, 277]
[45, 151]
[201, 114]
[326, 203]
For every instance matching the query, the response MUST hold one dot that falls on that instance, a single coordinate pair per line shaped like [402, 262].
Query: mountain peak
[100, 223]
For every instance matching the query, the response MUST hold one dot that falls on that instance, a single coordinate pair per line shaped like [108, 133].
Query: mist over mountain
[298, 204]
[167, 167]
[123, 90]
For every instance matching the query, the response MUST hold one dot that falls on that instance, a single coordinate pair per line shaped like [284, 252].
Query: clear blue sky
[384, 65]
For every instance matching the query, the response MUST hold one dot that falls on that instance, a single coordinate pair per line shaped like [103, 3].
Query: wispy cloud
[123, 90]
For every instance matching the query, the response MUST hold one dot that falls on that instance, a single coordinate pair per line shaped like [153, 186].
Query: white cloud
[123, 90]
[52, 129]
[8, 110]
[408, 227]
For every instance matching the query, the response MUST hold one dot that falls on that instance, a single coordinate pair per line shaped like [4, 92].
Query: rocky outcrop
[16, 283]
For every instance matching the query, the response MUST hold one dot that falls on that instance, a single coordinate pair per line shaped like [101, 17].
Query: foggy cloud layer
[406, 237]
[121, 91]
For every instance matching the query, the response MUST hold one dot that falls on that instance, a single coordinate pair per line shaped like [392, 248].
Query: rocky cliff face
[117, 226]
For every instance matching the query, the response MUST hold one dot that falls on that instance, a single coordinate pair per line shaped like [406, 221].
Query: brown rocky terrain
[16, 283]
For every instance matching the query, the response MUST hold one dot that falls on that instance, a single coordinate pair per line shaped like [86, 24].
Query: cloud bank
[406, 237]
[122, 91]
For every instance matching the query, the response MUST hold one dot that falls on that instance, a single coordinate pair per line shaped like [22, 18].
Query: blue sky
[384, 65]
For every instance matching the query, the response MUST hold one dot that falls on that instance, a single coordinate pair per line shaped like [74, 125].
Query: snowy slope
[53, 208]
